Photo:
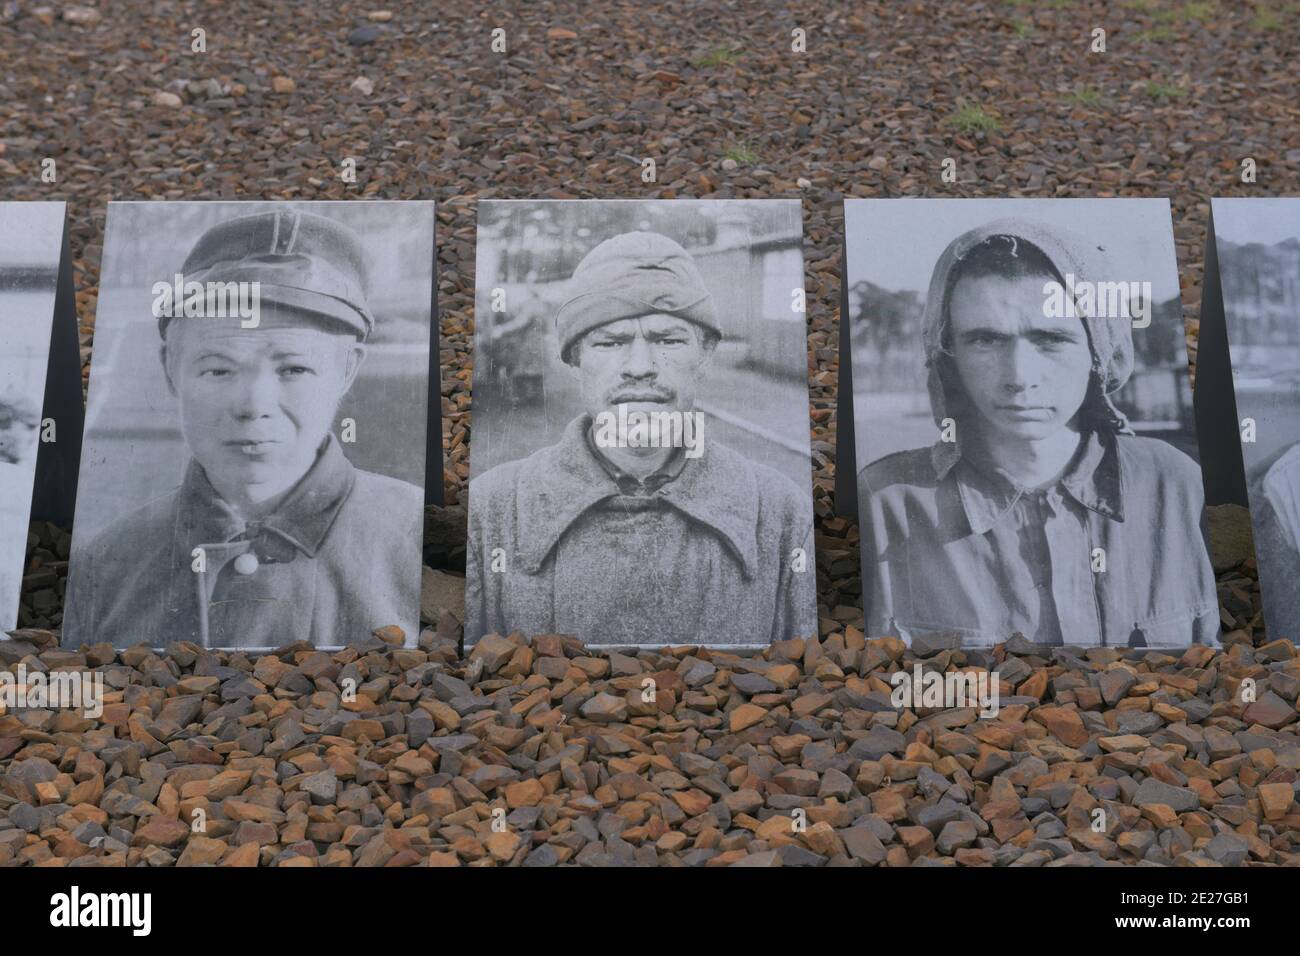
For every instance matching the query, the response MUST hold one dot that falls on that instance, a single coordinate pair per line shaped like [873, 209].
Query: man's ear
[573, 360]
[167, 372]
[356, 356]
[709, 344]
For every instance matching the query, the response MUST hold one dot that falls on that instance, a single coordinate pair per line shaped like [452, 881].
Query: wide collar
[302, 520]
[560, 483]
[1094, 480]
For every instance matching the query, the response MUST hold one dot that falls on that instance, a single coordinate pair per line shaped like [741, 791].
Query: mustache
[641, 393]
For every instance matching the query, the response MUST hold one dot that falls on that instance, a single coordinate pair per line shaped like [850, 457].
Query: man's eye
[1053, 342]
[673, 340]
[294, 371]
[605, 345]
[215, 372]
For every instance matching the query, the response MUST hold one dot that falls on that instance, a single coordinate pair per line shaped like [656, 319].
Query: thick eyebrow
[984, 330]
[214, 354]
[1059, 332]
[681, 329]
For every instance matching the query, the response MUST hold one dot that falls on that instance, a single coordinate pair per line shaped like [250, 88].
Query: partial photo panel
[31, 246]
[1257, 246]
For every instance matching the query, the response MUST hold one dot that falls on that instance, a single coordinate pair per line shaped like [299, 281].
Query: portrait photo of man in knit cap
[641, 466]
[1257, 245]
[254, 457]
[1024, 438]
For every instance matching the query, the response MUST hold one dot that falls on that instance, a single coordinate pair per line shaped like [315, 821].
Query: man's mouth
[642, 395]
[1027, 411]
[252, 447]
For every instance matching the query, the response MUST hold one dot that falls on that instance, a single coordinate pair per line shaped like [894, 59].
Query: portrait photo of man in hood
[1038, 508]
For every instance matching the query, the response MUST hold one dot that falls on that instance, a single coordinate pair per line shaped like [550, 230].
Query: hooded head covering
[1110, 340]
[630, 275]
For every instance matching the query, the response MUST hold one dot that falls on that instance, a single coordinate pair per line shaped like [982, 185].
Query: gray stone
[1152, 790]
[25, 816]
[863, 845]
[878, 742]
[446, 687]
[543, 855]
[1115, 683]
[751, 684]
[954, 836]
[322, 786]
[794, 855]
[1228, 849]
[363, 35]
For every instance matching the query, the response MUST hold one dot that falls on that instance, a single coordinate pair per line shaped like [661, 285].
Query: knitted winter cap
[630, 275]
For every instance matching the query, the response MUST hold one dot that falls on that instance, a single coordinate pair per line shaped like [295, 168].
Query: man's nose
[257, 395]
[639, 360]
[1020, 366]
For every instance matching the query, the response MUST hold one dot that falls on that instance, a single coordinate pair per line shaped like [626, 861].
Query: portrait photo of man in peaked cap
[273, 534]
[1039, 508]
[684, 540]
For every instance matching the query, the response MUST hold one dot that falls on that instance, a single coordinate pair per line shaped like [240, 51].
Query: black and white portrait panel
[31, 242]
[1025, 435]
[641, 471]
[1258, 244]
[254, 456]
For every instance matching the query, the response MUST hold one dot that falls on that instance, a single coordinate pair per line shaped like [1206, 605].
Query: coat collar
[1095, 480]
[557, 485]
[302, 520]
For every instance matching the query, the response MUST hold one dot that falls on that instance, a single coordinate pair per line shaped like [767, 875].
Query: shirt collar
[1094, 480]
[630, 484]
[564, 481]
[302, 519]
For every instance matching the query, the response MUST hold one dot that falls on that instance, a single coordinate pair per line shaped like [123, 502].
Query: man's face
[255, 404]
[1026, 373]
[650, 363]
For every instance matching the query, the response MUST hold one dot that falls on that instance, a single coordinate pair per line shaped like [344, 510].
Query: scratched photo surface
[31, 241]
[1258, 246]
[255, 478]
[1023, 469]
[684, 307]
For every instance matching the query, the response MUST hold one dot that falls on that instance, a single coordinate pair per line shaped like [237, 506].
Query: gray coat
[339, 558]
[708, 557]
